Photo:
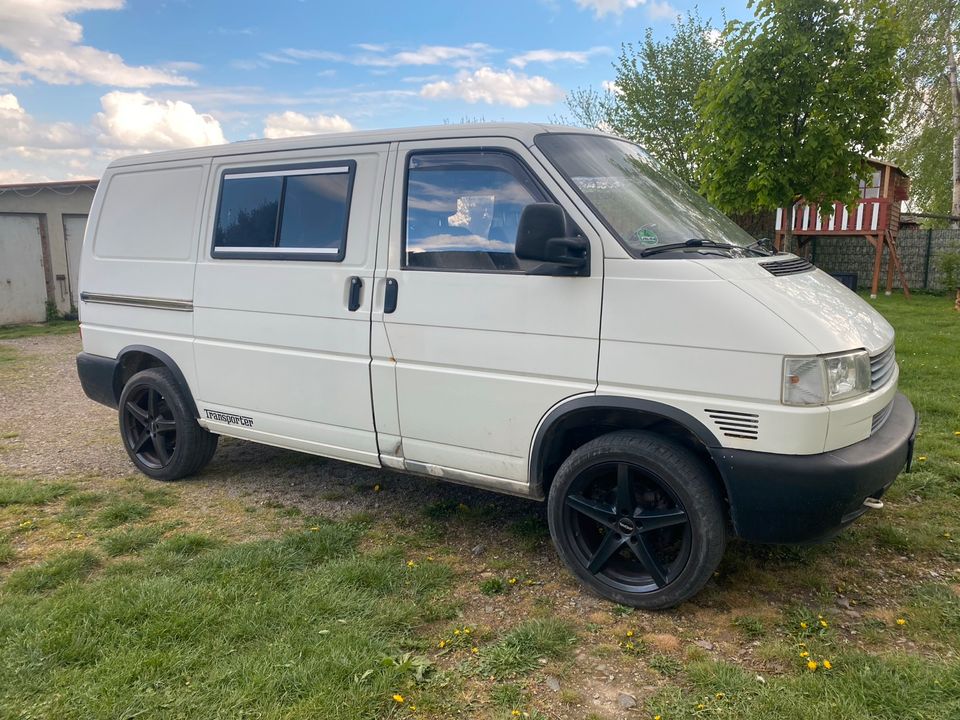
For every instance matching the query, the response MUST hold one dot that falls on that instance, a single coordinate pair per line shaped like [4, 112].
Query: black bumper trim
[806, 498]
[97, 376]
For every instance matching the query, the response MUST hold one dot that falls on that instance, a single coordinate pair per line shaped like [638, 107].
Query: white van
[535, 310]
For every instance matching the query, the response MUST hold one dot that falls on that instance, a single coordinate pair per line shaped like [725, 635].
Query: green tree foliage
[800, 95]
[653, 95]
[656, 90]
[922, 112]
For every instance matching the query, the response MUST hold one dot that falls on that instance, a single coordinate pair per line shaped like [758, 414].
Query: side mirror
[542, 235]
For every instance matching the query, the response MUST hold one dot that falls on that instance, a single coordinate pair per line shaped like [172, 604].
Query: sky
[85, 81]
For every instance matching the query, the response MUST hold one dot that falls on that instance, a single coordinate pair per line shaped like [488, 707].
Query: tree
[656, 89]
[925, 115]
[799, 97]
[651, 101]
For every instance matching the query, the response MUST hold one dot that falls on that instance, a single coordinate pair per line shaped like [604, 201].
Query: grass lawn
[54, 327]
[120, 597]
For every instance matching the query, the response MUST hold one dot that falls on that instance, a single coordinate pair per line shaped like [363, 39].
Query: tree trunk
[955, 116]
[789, 239]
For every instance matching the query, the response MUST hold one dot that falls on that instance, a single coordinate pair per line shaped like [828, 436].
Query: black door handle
[353, 300]
[390, 296]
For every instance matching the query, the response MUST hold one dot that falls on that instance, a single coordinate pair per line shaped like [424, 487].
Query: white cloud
[377, 56]
[466, 56]
[134, 120]
[578, 57]
[18, 129]
[47, 45]
[656, 9]
[495, 88]
[610, 86]
[294, 124]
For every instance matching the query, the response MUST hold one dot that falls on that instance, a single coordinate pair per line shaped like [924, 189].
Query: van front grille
[881, 417]
[736, 424]
[787, 267]
[882, 366]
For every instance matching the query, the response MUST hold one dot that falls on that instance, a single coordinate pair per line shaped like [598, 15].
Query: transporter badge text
[229, 418]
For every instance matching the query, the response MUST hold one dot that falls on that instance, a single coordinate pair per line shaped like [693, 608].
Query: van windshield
[645, 205]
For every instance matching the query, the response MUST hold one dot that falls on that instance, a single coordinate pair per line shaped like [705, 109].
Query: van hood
[829, 315]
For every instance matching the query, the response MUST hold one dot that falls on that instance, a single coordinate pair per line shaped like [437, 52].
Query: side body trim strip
[137, 301]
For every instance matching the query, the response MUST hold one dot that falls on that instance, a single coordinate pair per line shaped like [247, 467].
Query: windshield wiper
[691, 243]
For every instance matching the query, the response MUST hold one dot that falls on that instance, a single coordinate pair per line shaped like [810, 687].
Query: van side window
[294, 212]
[463, 208]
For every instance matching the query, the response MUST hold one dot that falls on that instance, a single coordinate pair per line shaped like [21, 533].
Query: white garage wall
[73, 229]
[23, 292]
[53, 203]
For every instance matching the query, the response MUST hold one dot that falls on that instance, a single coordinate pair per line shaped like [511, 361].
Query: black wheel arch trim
[100, 376]
[613, 402]
[169, 363]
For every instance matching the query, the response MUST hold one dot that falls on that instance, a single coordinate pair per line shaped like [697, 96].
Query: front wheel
[159, 432]
[636, 517]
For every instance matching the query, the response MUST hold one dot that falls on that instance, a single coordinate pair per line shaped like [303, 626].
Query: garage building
[41, 230]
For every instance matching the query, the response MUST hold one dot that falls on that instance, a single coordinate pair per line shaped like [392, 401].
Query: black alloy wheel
[150, 430]
[638, 519]
[628, 527]
[159, 429]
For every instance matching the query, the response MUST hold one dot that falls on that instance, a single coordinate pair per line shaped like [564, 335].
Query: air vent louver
[882, 366]
[880, 418]
[787, 267]
[736, 424]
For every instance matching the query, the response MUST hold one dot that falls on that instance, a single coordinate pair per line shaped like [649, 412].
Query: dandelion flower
[398, 698]
[812, 665]
[442, 644]
[474, 650]
[804, 654]
[515, 713]
[700, 706]
[466, 631]
[411, 563]
[720, 696]
[657, 717]
[957, 433]
[803, 626]
[512, 581]
[629, 633]
[823, 623]
[827, 665]
[901, 621]
[922, 458]
[376, 488]
[456, 632]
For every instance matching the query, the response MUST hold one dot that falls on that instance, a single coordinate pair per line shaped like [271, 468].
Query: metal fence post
[926, 261]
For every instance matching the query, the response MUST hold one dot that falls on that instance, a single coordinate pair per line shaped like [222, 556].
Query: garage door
[23, 293]
[73, 228]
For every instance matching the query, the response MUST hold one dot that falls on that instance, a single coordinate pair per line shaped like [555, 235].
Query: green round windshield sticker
[645, 236]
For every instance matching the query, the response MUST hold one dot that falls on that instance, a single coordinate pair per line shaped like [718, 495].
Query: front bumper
[805, 498]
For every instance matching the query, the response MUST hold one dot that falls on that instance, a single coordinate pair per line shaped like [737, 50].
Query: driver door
[481, 350]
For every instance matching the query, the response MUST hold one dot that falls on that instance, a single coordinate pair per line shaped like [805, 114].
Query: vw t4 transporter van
[529, 309]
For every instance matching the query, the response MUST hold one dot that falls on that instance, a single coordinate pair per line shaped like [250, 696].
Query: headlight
[825, 379]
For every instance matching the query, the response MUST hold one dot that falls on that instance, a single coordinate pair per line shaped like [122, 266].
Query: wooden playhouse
[874, 216]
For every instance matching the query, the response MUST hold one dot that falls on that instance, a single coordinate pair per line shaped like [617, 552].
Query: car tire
[638, 519]
[158, 429]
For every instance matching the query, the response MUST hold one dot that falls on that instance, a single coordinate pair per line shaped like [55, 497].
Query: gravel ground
[61, 432]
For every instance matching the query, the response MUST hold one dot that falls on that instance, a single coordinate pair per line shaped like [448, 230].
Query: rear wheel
[636, 518]
[159, 432]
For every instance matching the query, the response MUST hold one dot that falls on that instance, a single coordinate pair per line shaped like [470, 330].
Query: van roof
[524, 132]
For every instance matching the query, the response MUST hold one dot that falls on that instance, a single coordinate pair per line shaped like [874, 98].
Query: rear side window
[463, 209]
[288, 213]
